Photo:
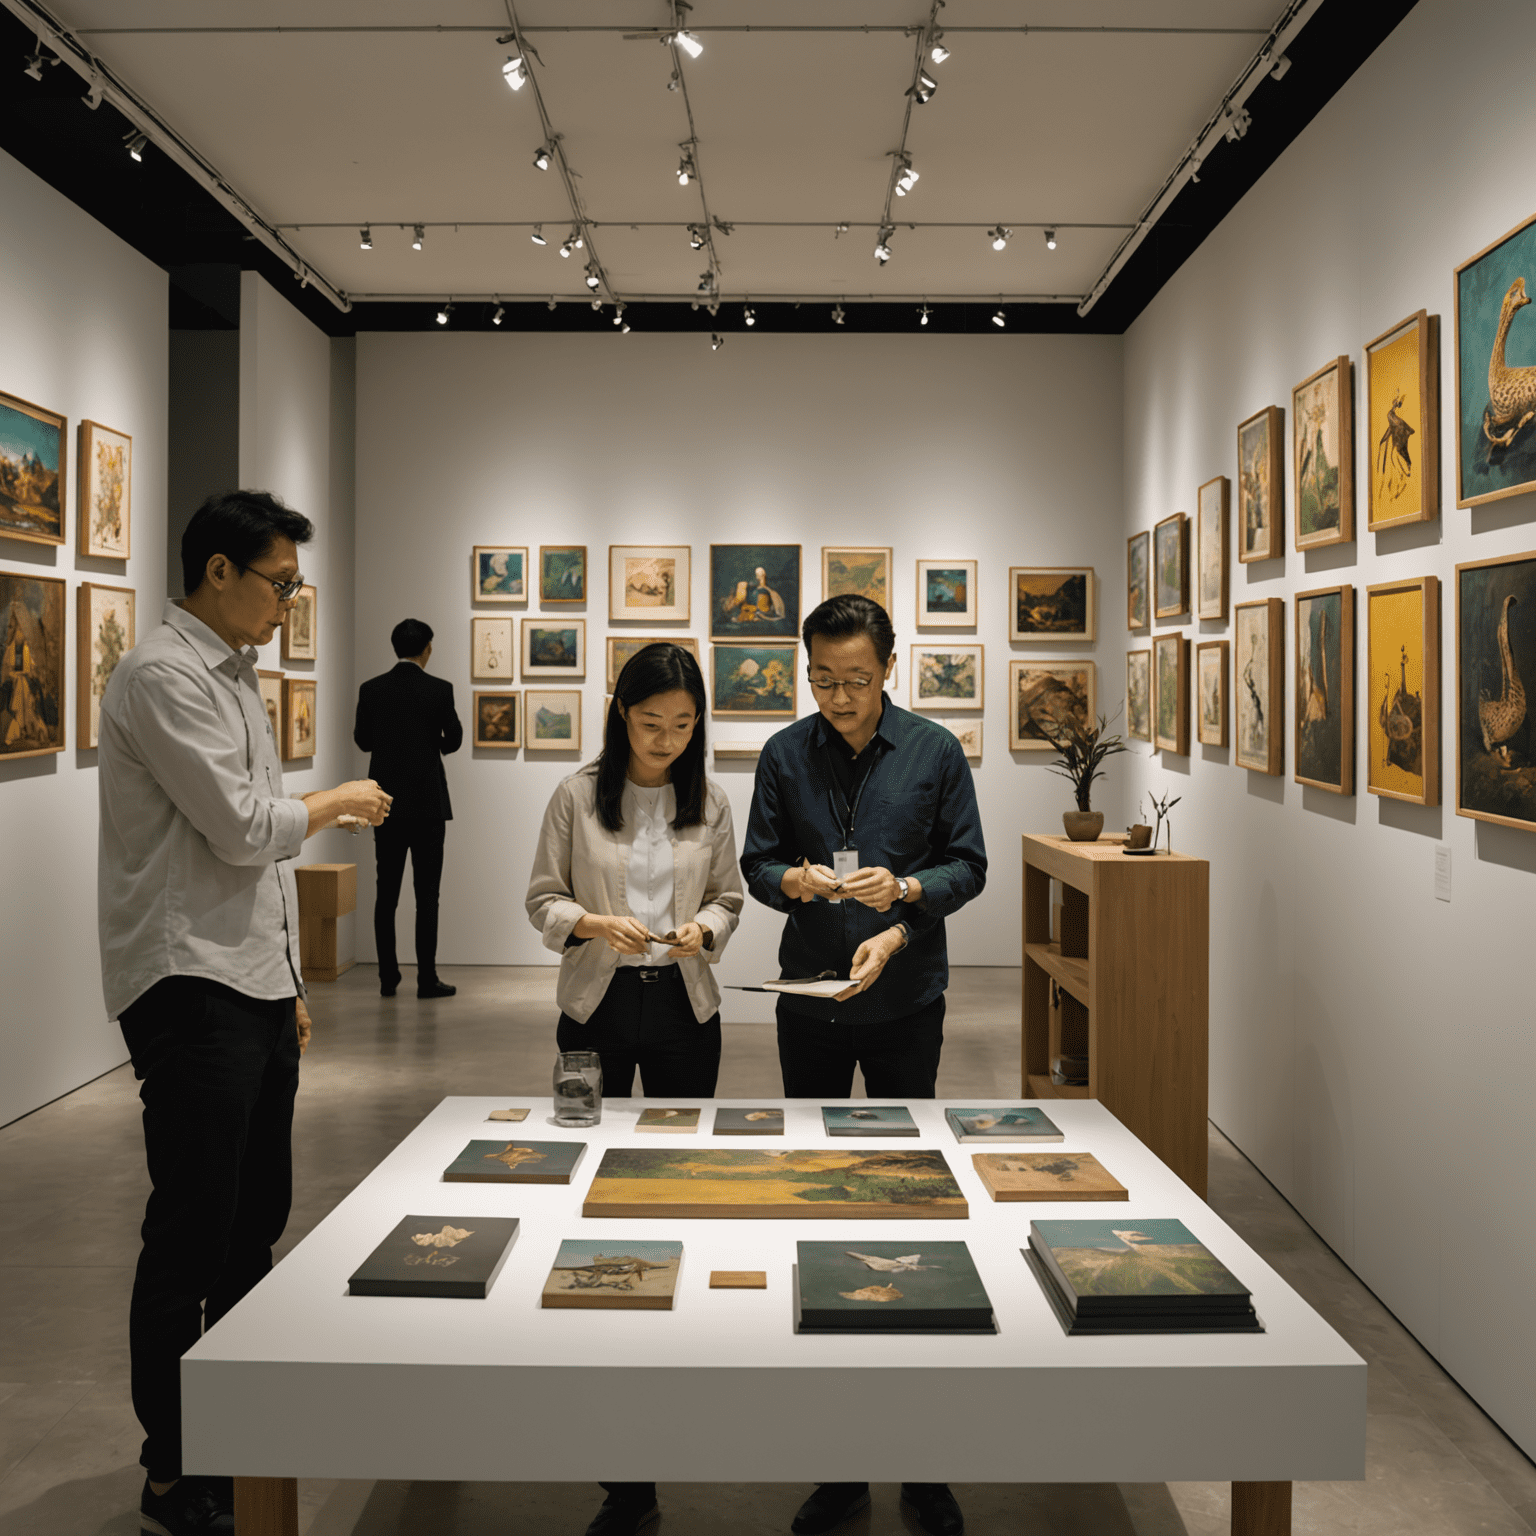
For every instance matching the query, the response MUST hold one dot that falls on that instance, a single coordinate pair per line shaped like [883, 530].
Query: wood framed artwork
[301, 627]
[1495, 655]
[1211, 692]
[498, 573]
[1138, 695]
[1050, 602]
[967, 733]
[554, 648]
[562, 573]
[552, 720]
[298, 717]
[1170, 566]
[754, 681]
[1325, 689]
[1138, 565]
[1044, 697]
[31, 664]
[270, 686]
[33, 450]
[1402, 423]
[1212, 551]
[105, 466]
[1259, 683]
[104, 635]
[1323, 421]
[1402, 721]
[1170, 673]
[754, 591]
[863, 571]
[650, 581]
[1260, 484]
[622, 647]
[490, 650]
[1495, 382]
[946, 594]
[498, 719]
[948, 676]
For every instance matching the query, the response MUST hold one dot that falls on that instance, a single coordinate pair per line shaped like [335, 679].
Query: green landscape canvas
[1008, 1123]
[868, 1120]
[886, 1287]
[1133, 1258]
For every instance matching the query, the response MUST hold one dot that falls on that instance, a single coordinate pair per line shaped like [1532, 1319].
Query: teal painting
[754, 591]
[915, 1283]
[1130, 1257]
[756, 680]
[563, 574]
[31, 469]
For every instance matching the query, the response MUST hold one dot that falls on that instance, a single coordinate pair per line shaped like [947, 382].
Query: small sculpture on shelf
[1144, 844]
[1083, 748]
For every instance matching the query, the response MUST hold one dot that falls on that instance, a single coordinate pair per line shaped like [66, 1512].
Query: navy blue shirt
[913, 812]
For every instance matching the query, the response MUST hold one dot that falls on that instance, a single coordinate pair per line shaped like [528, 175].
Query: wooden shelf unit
[1145, 983]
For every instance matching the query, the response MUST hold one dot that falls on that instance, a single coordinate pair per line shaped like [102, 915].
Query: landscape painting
[1211, 692]
[32, 455]
[1138, 563]
[948, 676]
[1138, 694]
[622, 647]
[1142, 1257]
[1322, 417]
[1044, 699]
[1260, 666]
[754, 591]
[104, 636]
[1325, 689]
[1050, 603]
[298, 717]
[1023, 1176]
[1170, 566]
[554, 648]
[562, 573]
[498, 720]
[105, 467]
[499, 574]
[1170, 665]
[946, 594]
[490, 650]
[1211, 518]
[1402, 721]
[301, 627]
[755, 681]
[31, 665]
[650, 581]
[1402, 426]
[1260, 484]
[864, 572]
[552, 720]
[630, 1274]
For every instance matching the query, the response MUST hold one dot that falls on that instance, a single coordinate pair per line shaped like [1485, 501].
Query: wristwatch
[902, 886]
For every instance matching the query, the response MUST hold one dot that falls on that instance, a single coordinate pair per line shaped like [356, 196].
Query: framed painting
[104, 635]
[1496, 370]
[1212, 550]
[754, 591]
[33, 450]
[1495, 654]
[105, 466]
[1402, 722]
[1170, 566]
[1325, 689]
[490, 650]
[967, 733]
[1138, 695]
[1042, 698]
[1402, 423]
[553, 720]
[562, 573]
[1260, 484]
[860, 571]
[270, 686]
[31, 664]
[1322, 419]
[1259, 683]
[554, 648]
[498, 573]
[650, 581]
[754, 681]
[948, 676]
[1211, 692]
[1050, 602]
[622, 647]
[946, 594]
[301, 627]
[498, 719]
[298, 717]
[1138, 565]
[1170, 672]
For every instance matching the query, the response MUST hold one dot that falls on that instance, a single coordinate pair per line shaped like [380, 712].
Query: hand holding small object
[626, 935]
[817, 880]
[366, 800]
[686, 942]
[874, 887]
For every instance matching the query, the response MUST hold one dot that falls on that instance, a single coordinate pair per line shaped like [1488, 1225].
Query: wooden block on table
[738, 1280]
[327, 890]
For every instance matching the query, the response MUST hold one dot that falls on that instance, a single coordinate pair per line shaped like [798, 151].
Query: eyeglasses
[286, 590]
[850, 685]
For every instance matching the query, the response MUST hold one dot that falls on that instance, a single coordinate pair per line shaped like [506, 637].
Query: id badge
[845, 862]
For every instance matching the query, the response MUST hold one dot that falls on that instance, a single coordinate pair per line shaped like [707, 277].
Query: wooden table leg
[269, 1506]
[1258, 1509]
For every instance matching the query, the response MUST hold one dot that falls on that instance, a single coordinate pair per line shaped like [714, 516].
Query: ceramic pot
[1139, 836]
[1083, 826]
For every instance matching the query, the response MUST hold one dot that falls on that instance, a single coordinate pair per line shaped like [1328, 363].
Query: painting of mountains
[31, 472]
[1051, 603]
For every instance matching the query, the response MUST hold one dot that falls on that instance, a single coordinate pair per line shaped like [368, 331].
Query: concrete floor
[72, 1188]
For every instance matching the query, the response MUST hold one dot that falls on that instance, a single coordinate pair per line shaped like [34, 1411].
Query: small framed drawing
[946, 594]
[553, 719]
[499, 573]
[31, 664]
[33, 449]
[1048, 602]
[1260, 685]
[967, 733]
[1138, 695]
[498, 718]
[1402, 423]
[1212, 553]
[1138, 563]
[1170, 669]
[105, 467]
[270, 686]
[1260, 484]
[754, 681]
[490, 650]
[1043, 698]
[1323, 420]
[104, 635]
[1325, 689]
[554, 648]
[1402, 723]
[650, 581]
[562, 573]
[948, 676]
[301, 628]
[298, 717]
[1211, 692]
[754, 591]
[622, 647]
[863, 571]
[1495, 653]
[1170, 566]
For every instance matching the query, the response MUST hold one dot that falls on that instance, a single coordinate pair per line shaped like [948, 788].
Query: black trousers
[899, 1058]
[219, 1072]
[422, 837]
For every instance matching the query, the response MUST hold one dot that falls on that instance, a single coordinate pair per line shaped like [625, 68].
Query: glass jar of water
[578, 1088]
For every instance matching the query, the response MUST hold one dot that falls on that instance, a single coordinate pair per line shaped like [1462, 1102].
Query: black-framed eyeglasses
[850, 685]
[286, 590]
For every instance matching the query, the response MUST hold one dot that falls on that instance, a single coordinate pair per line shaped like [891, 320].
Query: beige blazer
[582, 867]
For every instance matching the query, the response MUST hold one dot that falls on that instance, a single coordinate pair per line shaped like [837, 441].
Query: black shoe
[935, 1508]
[435, 989]
[829, 1506]
[387, 988]
[191, 1506]
[622, 1517]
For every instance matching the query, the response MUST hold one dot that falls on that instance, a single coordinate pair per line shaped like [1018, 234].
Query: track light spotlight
[922, 315]
[597, 304]
[1000, 237]
[618, 314]
[92, 97]
[444, 312]
[418, 236]
[552, 302]
[706, 282]
[685, 169]
[499, 316]
[923, 91]
[365, 238]
[999, 319]
[538, 235]
[936, 49]
[750, 315]
[695, 237]
[1238, 124]
[688, 43]
[515, 72]
[838, 315]
[137, 143]
[1050, 239]
[1281, 67]
[716, 341]
[624, 328]
[906, 178]
[33, 68]
[541, 158]
[674, 82]
[883, 245]
[592, 279]
[1194, 168]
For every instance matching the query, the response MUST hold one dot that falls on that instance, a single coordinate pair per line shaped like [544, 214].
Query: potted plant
[1083, 748]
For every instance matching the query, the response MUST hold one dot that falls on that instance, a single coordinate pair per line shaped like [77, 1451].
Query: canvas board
[31, 665]
[301, 627]
[1170, 566]
[1138, 588]
[946, 594]
[1402, 723]
[1324, 748]
[1323, 462]
[1170, 709]
[299, 729]
[948, 676]
[754, 591]
[105, 634]
[552, 720]
[1260, 484]
[498, 719]
[498, 573]
[754, 681]
[1259, 685]
[1043, 697]
[1031, 1176]
[1402, 423]
[1211, 706]
[562, 573]
[1050, 602]
[622, 647]
[1212, 548]
[859, 570]
[105, 467]
[555, 648]
[1138, 694]
[33, 455]
[623, 1274]
[651, 582]
[490, 650]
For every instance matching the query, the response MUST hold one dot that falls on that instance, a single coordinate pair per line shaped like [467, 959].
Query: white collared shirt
[649, 878]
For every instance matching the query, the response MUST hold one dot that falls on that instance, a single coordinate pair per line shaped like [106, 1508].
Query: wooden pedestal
[326, 892]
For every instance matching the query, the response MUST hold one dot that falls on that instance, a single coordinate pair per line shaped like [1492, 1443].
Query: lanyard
[858, 795]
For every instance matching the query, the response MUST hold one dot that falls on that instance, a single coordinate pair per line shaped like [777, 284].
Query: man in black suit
[406, 720]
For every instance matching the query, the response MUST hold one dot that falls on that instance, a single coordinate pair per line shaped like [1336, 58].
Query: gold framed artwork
[1211, 692]
[498, 573]
[754, 591]
[1170, 566]
[860, 570]
[1050, 602]
[1260, 484]
[622, 647]
[946, 594]
[554, 648]
[562, 573]
[104, 635]
[105, 467]
[755, 681]
[967, 733]
[1259, 683]
[33, 449]
[1138, 695]
[948, 676]
[1402, 722]
[1170, 711]
[490, 650]
[298, 717]
[1212, 553]
[1043, 697]
[1323, 421]
[552, 720]
[31, 664]
[1325, 689]
[1402, 423]
[497, 715]
[1138, 566]
[301, 627]
[650, 581]
[270, 686]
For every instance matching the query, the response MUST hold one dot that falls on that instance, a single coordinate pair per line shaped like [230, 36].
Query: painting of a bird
[903, 1264]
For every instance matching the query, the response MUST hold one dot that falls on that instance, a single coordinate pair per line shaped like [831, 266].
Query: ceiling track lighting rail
[973, 300]
[903, 177]
[724, 227]
[664, 34]
[701, 236]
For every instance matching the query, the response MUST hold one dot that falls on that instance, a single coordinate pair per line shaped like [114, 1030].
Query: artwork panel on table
[447, 1256]
[754, 591]
[554, 648]
[618, 1274]
[1325, 689]
[1170, 709]
[1138, 583]
[552, 720]
[299, 729]
[868, 1120]
[1170, 566]
[31, 665]
[301, 627]
[749, 1122]
[1402, 719]
[498, 573]
[1402, 423]
[1050, 602]
[946, 594]
[754, 681]
[1212, 556]
[1322, 418]
[1259, 683]
[1138, 694]
[862, 571]
[1043, 696]
[104, 635]
[948, 676]
[270, 686]
[966, 732]
[515, 1162]
[562, 573]
[33, 454]
[1001, 1123]
[498, 719]
[491, 645]
[622, 647]
[652, 582]
[674, 1122]
[1028, 1176]
[1260, 484]
[886, 1287]
[105, 467]
[1211, 671]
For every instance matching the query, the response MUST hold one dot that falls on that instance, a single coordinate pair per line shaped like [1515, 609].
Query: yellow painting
[1402, 427]
[1401, 718]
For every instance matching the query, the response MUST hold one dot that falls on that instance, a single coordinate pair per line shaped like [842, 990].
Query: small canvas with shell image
[33, 449]
[1325, 689]
[912, 1286]
[1259, 683]
[1322, 418]
[749, 1122]
[622, 647]
[1402, 423]
[860, 572]
[948, 676]
[299, 731]
[104, 635]
[1260, 484]
[515, 1162]
[683, 1122]
[1050, 602]
[1211, 692]
[619, 1274]
[1043, 699]
[562, 573]
[498, 717]
[1170, 711]
[868, 1120]
[554, 648]
[270, 686]
[946, 594]
[448, 1256]
[552, 720]
[1138, 695]
[1211, 554]
[1010, 1122]
[105, 465]
[498, 573]
[1138, 588]
[490, 650]
[966, 732]
[650, 581]
[31, 665]
[754, 591]
[1402, 702]
[1170, 566]
[754, 681]
[301, 628]
[1021, 1176]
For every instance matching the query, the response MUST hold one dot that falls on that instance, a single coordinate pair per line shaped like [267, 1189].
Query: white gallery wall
[1372, 1048]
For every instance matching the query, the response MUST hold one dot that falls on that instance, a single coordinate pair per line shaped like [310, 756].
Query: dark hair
[241, 525]
[847, 615]
[410, 637]
[659, 668]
